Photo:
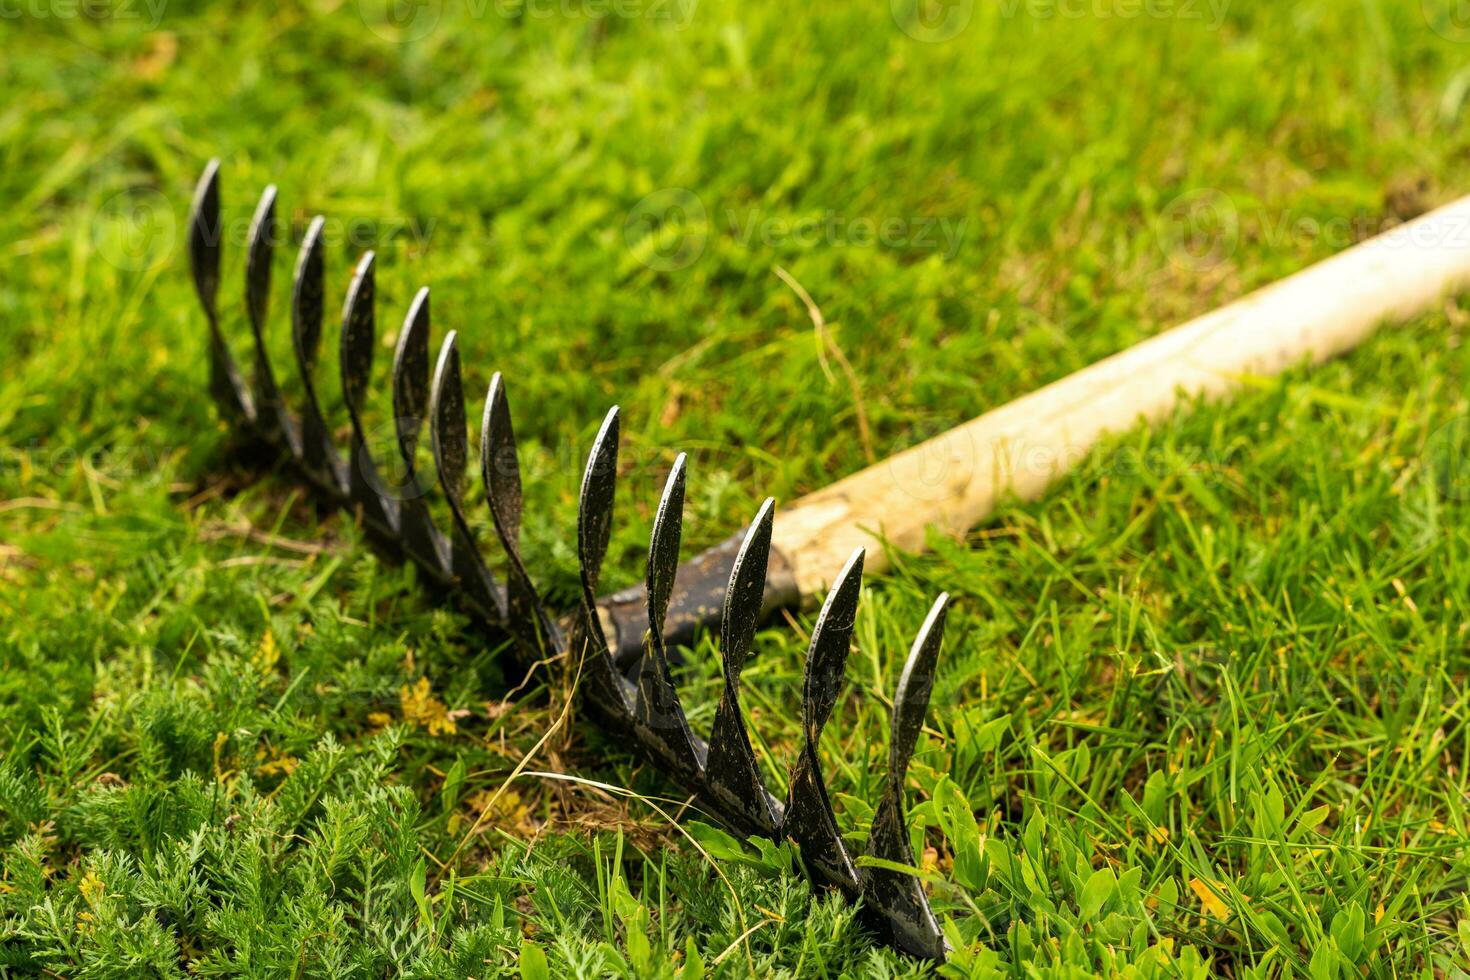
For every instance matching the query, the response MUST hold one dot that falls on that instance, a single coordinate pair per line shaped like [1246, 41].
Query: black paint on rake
[421, 539]
[451, 458]
[308, 301]
[271, 413]
[205, 234]
[366, 489]
[635, 699]
[733, 774]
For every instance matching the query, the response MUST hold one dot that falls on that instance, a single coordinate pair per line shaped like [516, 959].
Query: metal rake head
[628, 688]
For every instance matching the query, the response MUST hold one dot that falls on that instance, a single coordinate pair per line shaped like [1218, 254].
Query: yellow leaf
[279, 763]
[91, 888]
[1160, 834]
[422, 710]
[506, 811]
[267, 654]
[221, 739]
[1210, 900]
[1378, 914]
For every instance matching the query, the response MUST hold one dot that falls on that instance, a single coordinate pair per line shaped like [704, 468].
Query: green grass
[1226, 658]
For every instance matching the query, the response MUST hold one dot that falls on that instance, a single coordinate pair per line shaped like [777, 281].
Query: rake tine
[905, 913]
[421, 539]
[809, 819]
[599, 483]
[205, 244]
[607, 689]
[365, 485]
[732, 773]
[658, 716]
[451, 455]
[261, 247]
[500, 469]
[318, 452]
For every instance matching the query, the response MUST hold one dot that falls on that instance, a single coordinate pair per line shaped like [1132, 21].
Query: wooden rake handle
[954, 481]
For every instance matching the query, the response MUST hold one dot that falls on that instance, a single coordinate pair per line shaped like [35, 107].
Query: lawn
[1206, 701]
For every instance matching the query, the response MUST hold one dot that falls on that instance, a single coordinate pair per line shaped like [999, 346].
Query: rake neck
[699, 595]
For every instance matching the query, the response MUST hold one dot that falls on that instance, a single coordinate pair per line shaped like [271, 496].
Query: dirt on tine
[626, 684]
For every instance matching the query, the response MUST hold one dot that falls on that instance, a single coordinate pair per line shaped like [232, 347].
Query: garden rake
[622, 644]
[623, 641]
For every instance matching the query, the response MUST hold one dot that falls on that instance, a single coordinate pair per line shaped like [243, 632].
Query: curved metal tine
[451, 456]
[206, 242]
[899, 899]
[607, 688]
[365, 485]
[731, 772]
[271, 413]
[809, 819]
[308, 289]
[500, 469]
[421, 539]
[658, 716]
